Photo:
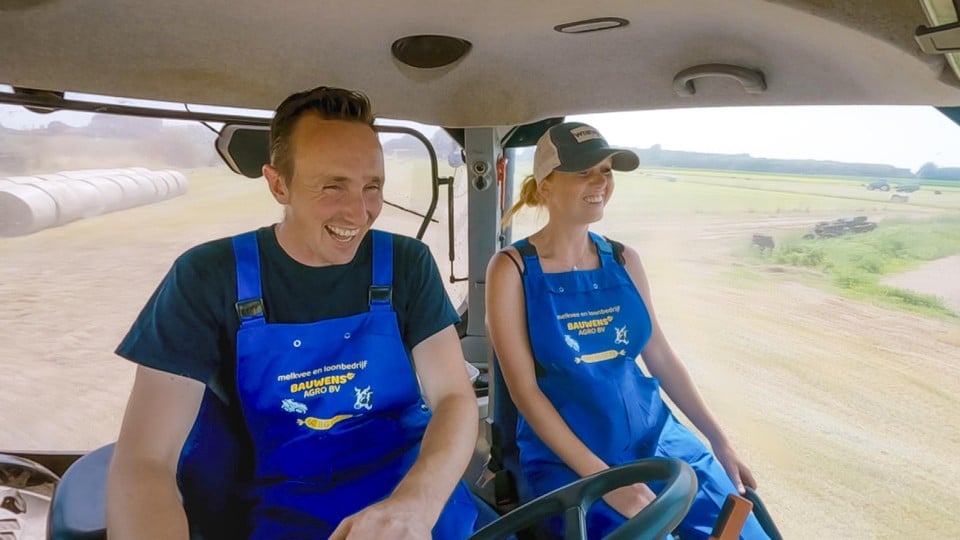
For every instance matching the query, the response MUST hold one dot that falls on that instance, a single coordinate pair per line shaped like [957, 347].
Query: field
[847, 407]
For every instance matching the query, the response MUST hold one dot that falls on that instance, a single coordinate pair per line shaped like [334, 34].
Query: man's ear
[275, 181]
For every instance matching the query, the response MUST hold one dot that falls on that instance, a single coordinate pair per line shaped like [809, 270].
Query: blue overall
[333, 408]
[587, 329]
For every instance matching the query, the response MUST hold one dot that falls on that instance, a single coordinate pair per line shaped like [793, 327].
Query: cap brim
[623, 160]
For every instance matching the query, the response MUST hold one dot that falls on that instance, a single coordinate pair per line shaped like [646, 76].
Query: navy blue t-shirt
[189, 326]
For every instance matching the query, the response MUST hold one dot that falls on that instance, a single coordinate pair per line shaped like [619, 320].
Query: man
[295, 343]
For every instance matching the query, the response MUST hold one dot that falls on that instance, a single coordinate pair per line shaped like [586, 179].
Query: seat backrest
[78, 505]
[504, 453]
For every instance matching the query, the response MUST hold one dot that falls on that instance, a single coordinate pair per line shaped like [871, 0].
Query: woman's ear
[544, 187]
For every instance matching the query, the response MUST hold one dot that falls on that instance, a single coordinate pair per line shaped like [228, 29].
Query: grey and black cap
[575, 147]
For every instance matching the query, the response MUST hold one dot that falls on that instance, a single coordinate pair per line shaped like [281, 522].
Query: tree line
[657, 157]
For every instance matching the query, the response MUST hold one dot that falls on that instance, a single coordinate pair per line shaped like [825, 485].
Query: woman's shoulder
[622, 253]
[506, 258]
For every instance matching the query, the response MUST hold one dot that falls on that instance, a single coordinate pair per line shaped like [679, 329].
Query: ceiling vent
[429, 51]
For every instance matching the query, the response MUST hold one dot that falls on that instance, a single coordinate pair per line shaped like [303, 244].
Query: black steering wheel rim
[654, 522]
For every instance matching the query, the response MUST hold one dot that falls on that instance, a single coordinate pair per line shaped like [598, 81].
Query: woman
[570, 367]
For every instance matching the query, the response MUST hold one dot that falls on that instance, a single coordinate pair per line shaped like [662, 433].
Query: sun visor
[244, 148]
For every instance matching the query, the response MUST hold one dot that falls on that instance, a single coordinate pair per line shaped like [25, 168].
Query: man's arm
[451, 435]
[415, 505]
[143, 501]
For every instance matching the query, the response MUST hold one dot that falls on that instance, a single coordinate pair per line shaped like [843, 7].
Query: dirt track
[938, 278]
[849, 414]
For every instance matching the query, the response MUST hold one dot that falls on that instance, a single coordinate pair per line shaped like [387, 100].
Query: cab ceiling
[252, 54]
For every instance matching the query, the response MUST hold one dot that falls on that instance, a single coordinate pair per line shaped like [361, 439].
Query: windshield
[818, 313]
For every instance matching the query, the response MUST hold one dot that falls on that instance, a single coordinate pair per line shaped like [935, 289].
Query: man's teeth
[594, 199]
[343, 233]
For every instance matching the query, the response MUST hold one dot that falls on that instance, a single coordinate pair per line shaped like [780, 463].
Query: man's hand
[736, 469]
[630, 500]
[400, 520]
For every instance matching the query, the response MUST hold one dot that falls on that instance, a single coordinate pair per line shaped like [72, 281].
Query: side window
[93, 210]
[408, 196]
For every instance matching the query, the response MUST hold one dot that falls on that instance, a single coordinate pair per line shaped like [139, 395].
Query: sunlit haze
[902, 136]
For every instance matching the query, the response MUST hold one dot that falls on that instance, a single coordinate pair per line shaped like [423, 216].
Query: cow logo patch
[621, 338]
[364, 398]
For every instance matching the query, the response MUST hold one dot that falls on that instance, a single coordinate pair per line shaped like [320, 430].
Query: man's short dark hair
[327, 102]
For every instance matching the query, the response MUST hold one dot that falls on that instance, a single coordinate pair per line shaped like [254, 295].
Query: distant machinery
[840, 227]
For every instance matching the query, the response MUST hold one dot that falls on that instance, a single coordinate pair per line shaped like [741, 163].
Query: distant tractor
[878, 185]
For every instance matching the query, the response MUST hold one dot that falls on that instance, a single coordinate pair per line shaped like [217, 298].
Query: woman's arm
[507, 326]
[665, 365]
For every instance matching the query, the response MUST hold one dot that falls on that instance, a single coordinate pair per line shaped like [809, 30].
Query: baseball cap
[575, 147]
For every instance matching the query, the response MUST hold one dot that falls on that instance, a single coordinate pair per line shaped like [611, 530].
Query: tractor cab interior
[211, 465]
[811, 295]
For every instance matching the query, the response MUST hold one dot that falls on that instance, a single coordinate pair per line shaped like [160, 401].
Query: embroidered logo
[602, 356]
[290, 405]
[323, 424]
[572, 343]
[622, 336]
[583, 134]
[364, 398]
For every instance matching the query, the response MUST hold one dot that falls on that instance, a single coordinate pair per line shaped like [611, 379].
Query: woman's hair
[327, 102]
[529, 196]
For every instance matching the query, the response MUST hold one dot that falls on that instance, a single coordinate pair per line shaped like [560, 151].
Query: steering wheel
[652, 523]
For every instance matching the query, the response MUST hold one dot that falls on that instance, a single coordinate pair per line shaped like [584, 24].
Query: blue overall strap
[604, 249]
[249, 296]
[380, 296]
[531, 262]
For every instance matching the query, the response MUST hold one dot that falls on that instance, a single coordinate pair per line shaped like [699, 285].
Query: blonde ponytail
[529, 196]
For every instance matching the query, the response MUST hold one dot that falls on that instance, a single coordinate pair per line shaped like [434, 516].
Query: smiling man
[308, 372]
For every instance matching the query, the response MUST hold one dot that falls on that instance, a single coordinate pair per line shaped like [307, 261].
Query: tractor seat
[78, 507]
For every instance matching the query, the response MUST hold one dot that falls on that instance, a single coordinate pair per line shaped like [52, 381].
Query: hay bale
[25, 208]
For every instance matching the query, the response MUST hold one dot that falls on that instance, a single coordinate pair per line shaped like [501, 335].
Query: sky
[905, 137]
